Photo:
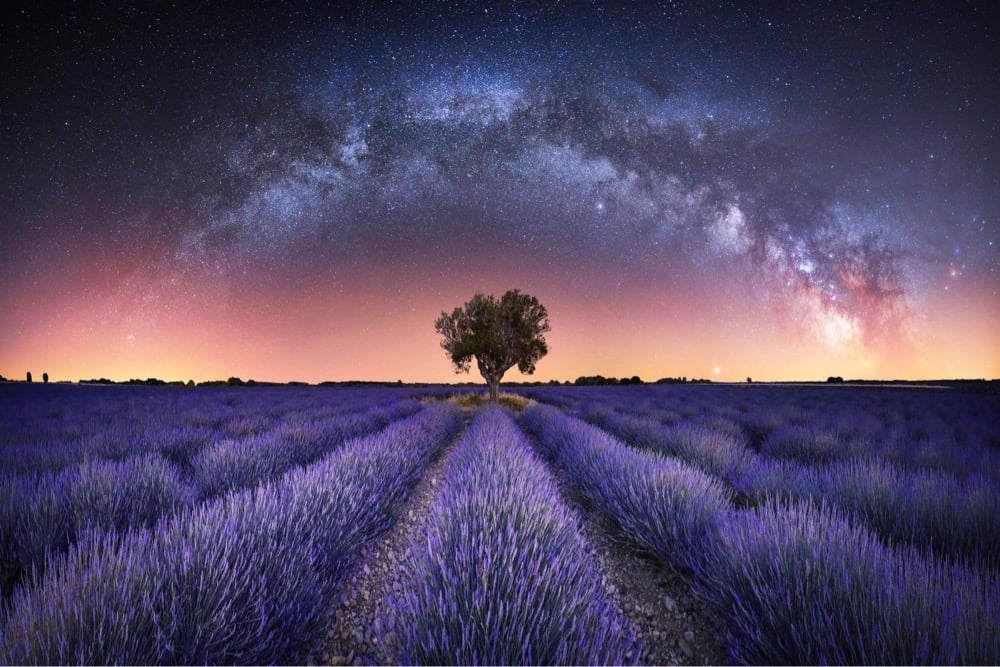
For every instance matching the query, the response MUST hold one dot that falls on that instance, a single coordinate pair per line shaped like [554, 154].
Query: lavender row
[799, 583]
[950, 430]
[955, 517]
[716, 452]
[232, 464]
[503, 576]
[243, 579]
[658, 501]
[45, 429]
[42, 514]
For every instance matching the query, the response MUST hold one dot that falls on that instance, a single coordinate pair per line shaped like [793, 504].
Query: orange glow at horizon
[384, 332]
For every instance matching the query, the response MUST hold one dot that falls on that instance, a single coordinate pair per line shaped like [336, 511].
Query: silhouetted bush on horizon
[600, 381]
[683, 380]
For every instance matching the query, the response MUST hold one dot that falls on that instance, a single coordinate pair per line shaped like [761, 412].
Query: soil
[356, 634]
[670, 622]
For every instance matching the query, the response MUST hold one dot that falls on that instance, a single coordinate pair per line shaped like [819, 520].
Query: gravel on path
[355, 634]
[675, 628]
[672, 624]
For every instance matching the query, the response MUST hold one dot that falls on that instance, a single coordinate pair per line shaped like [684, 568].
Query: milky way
[190, 192]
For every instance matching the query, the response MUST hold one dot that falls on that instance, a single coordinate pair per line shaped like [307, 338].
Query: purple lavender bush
[948, 429]
[34, 519]
[39, 457]
[50, 428]
[182, 443]
[386, 465]
[954, 517]
[799, 584]
[808, 445]
[133, 493]
[229, 464]
[503, 576]
[206, 588]
[119, 439]
[711, 450]
[242, 579]
[661, 503]
[41, 515]
[307, 441]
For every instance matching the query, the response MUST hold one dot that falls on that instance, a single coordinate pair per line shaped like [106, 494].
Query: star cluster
[777, 190]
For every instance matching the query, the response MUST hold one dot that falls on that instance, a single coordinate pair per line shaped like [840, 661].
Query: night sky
[702, 190]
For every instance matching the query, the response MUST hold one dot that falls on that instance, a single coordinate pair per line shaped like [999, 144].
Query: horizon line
[589, 380]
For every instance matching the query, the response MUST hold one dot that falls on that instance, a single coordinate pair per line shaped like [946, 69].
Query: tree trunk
[492, 378]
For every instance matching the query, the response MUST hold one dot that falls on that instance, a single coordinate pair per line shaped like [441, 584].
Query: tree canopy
[498, 333]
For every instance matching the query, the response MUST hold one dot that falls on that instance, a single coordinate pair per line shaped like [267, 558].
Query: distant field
[169, 525]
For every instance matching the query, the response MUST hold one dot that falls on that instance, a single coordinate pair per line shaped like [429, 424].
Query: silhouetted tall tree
[45, 378]
[29, 376]
[499, 333]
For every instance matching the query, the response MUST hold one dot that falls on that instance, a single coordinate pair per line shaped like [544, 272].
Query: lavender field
[211, 525]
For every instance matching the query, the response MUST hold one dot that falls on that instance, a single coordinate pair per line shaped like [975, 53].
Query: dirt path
[673, 626]
[355, 634]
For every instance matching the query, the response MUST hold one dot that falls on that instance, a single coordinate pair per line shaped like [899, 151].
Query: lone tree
[498, 333]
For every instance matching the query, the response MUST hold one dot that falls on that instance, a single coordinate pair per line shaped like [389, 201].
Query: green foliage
[498, 333]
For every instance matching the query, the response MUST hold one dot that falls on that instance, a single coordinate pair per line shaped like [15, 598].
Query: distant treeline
[601, 381]
[237, 382]
[583, 380]
[990, 386]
